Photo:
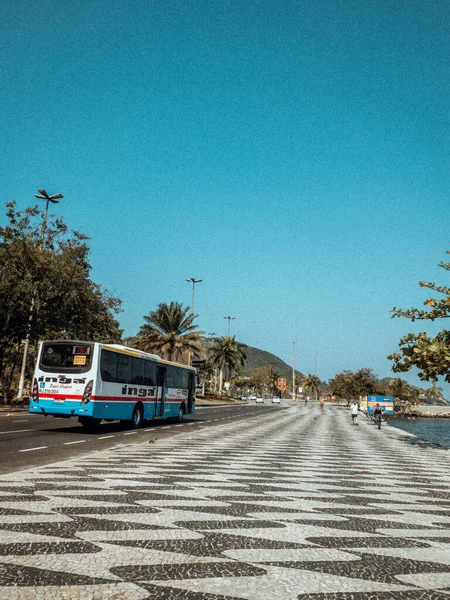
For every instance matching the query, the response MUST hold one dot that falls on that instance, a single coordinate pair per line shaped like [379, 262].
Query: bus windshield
[65, 357]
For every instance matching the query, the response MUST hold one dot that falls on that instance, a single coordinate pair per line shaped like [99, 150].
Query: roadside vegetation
[46, 291]
[169, 331]
[429, 354]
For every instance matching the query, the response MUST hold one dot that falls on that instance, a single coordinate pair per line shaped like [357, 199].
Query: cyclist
[378, 414]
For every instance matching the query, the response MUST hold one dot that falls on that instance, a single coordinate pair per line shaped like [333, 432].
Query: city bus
[95, 382]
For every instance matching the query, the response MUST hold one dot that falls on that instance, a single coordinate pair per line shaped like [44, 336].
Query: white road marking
[22, 421]
[166, 427]
[105, 437]
[15, 431]
[77, 442]
[151, 429]
[131, 433]
[31, 449]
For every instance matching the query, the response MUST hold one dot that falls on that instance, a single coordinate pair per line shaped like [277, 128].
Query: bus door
[160, 391]
[191, 389]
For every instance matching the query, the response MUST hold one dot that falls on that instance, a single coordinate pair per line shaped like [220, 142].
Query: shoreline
[408, 414]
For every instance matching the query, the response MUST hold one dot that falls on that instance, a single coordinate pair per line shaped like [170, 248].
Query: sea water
[432, 430]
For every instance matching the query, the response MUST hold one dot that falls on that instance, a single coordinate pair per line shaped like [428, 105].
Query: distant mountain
[260, 358]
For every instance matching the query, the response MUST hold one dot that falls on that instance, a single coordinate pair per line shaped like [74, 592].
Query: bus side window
[123, 368]
[149, 372]
[137, 371]
[170, 377]
[108, 365]
[184, 379]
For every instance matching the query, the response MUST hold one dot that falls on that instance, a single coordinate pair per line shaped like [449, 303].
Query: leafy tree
[431, 355]
[351, 385]
[273, 381]
[239, 384]
[260, 378]
[227, 354]
[311, 383]
[45, 289]
[169, 330]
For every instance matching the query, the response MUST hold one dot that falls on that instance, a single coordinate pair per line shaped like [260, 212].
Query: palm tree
[170, 331]
[206, 375]
[312, 383]
[433, 393]
[226, 353]
[400, 389]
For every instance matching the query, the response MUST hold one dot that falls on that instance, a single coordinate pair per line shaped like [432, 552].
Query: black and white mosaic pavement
[288, 505]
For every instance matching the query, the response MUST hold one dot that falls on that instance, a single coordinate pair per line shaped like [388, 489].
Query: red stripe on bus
[106, 398]
[66, 396]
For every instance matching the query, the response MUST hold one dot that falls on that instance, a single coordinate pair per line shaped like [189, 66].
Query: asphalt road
[32, 440]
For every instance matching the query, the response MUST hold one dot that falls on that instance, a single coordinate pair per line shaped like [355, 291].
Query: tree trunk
[220, 381]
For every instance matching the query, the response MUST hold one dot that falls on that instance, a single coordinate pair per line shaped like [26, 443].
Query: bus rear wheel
[138, 417]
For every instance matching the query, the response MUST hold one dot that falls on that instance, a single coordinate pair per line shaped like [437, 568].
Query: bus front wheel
[138, 416]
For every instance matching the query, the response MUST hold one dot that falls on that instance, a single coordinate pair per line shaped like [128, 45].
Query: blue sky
[293, 154]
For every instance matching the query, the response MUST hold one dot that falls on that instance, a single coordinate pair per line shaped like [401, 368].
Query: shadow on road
[115, 426]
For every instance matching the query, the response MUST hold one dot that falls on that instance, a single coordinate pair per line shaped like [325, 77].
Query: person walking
[378, 414]
[354, 408]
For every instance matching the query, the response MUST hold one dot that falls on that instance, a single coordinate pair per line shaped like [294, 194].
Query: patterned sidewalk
[287, 505]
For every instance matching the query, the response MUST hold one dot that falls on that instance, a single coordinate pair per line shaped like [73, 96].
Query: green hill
[260, 358]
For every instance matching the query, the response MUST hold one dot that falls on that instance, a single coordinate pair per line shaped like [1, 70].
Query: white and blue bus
[95, 382]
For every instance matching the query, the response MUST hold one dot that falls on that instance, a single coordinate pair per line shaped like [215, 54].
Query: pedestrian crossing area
[292, 505]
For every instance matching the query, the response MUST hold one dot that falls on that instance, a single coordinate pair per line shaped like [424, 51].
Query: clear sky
[292, 154]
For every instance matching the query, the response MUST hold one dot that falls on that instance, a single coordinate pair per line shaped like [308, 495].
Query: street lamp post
[293, 372]
[229, 319]
[315, 370]
[193, 281]
[212, 333]
[55, 200]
